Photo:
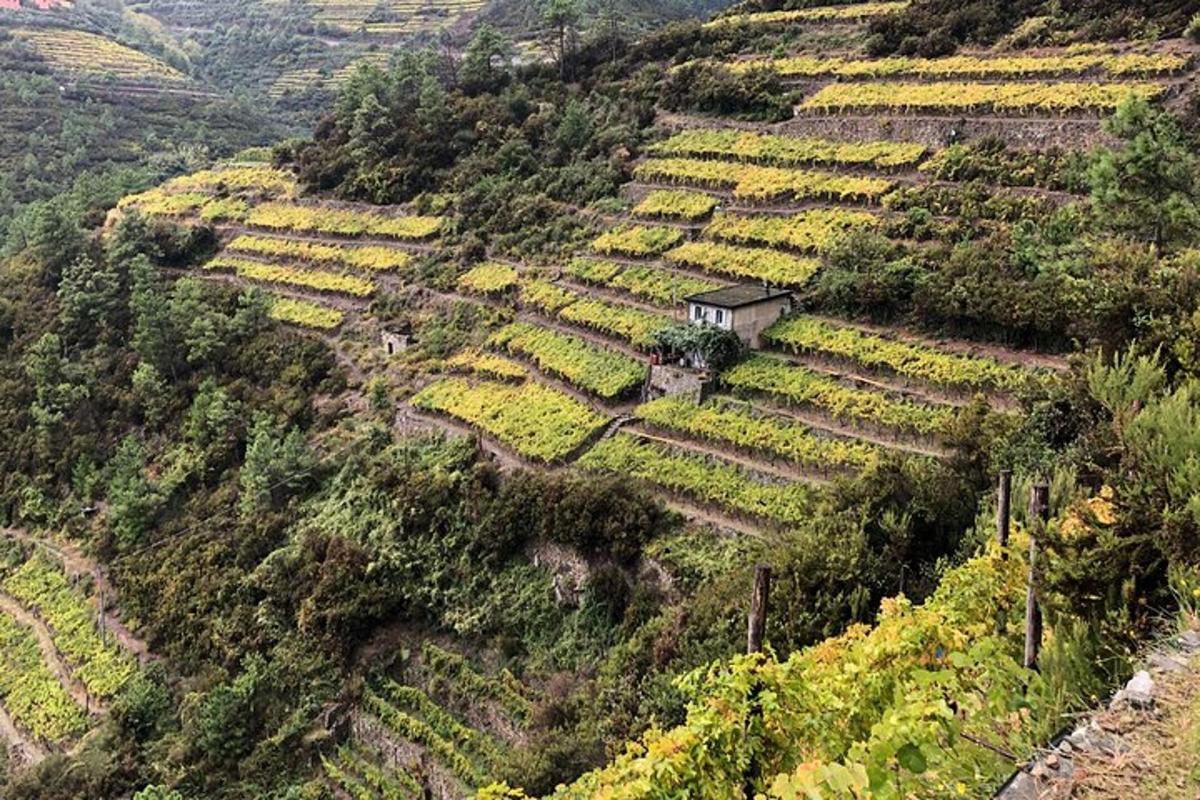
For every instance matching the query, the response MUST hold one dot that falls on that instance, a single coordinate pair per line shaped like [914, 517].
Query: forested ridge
[331, 469]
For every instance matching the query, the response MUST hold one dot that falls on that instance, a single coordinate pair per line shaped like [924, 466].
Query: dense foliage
[300, 552]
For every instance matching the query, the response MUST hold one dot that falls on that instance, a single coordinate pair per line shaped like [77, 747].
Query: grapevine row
[781, 269]
[658, 286]
[846, 13]
[639, 328]
[489, 278]
[604, 373]
[43, 587]
[797, 385]
[730, 424]
[305, 314]
[817, 230]
[415, 730]
[756, 183]
[637, 241]
[342, 221]
[536, 421]
[368, 257]
[981, 97]
[316, 280]
[804, 334]
[784, 151]
[676, 204]
[30, 691]
[864, 714]
[706, 480]
[1116, 65]
[489, 365]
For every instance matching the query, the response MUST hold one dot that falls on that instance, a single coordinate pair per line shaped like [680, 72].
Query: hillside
[203, 80]
[434, 454]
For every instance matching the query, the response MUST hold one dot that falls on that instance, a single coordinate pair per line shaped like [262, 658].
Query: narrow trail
[50, 655]
[77, 565]
[23, 749]
[1145, 745]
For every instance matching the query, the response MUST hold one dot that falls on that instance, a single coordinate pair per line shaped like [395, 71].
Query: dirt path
[1144, 746]
[50, 655]
[24, 750]
[76, 564]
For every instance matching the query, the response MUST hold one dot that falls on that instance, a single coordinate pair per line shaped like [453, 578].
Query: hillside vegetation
[347, 444]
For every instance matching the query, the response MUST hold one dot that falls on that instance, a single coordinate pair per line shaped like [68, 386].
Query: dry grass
[1162, 760]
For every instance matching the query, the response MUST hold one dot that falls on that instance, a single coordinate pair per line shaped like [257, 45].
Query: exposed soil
[24, 751]
[1144, 746]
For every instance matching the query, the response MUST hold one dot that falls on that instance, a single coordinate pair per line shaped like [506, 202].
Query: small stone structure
[395, 341]
[668, 380]
[747, 310]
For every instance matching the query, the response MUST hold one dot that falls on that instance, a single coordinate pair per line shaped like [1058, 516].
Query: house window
[698, 314]
[720, 316]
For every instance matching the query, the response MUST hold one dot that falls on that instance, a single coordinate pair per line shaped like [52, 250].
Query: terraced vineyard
[854, 12]
[57, 670]
[392, 18]
[562, 374]
[81, 54]
[326, 260]
[439, 725]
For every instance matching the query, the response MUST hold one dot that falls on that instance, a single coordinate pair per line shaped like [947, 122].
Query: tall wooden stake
[758, 609]
[1039, 515]
[1003, 507]
[100, 618]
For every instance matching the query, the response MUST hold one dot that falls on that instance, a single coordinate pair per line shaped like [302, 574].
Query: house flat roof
[747, 294]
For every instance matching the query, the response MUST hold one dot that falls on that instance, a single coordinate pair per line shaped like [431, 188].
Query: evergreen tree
[486, 63]
[562, 18]
[1149, 188]
[91, 301]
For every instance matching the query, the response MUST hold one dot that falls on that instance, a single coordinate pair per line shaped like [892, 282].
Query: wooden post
[100, 619]
[758, 609]
[1003, 507]
[1039, 515]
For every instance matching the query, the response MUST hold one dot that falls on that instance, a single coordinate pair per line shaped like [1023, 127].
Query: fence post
[758, 609]
[1039, 515]
[756, 633]
[1003, 507]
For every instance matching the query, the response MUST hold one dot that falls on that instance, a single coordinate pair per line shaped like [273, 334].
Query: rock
[1189, 641]
[1138, 693]
[1023, 786]
[1052, 761]
[1167, 662]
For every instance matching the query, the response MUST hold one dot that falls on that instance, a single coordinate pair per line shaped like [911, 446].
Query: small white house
[747, 310]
